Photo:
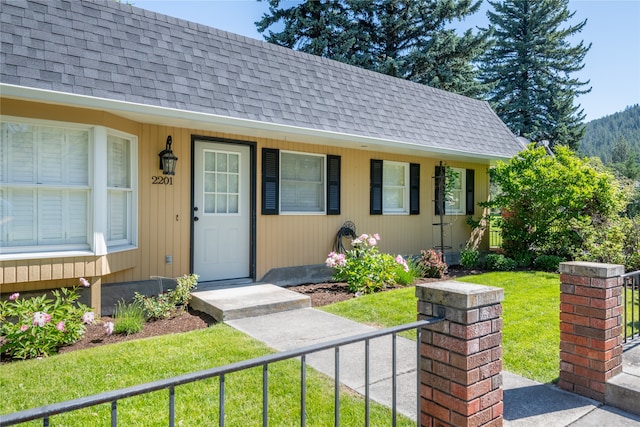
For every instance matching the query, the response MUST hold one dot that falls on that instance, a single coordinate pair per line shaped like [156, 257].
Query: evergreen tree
[317, 27]
[403, 38]
[530, 66]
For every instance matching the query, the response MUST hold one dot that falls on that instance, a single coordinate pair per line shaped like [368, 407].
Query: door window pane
[221, 182]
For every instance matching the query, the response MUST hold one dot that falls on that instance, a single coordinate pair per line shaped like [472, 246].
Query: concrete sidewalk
[526, 403]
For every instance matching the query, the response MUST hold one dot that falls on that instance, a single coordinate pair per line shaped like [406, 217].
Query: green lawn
[531, 334]
[62, 377]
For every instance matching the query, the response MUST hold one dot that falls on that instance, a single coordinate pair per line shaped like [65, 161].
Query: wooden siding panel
[164, 212]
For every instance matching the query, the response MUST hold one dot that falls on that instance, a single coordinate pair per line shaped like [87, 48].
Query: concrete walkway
[526, 403]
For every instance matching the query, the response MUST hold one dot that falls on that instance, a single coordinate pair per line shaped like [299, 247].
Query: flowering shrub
[431, 264]
[364, 268]
[38, 326]
[168, 303]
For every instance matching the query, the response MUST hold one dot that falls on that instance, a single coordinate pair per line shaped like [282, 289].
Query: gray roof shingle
[113, 50]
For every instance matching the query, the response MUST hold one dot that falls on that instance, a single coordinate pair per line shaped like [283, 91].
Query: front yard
[531, 334]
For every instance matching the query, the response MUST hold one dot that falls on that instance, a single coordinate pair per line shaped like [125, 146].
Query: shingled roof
[113, 51]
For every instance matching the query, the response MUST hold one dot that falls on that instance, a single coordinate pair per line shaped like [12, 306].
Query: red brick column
[590, 326]
[461, 357]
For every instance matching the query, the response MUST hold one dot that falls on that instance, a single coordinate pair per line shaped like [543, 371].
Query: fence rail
[631, 306]
[45, 412]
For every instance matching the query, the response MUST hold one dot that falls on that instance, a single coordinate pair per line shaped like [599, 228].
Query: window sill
[61, 254]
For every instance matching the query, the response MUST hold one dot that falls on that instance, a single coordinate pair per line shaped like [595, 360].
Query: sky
[613, 27]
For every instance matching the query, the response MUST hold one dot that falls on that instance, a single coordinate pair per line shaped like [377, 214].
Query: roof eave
[166, 116]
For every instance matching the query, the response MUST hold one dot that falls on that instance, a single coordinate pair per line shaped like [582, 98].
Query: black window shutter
[270, 181]
[469, 192]
[376, 187]
[333, 185]
[414, 189]
[439, 199]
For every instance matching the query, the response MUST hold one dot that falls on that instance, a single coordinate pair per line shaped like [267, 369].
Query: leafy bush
[431, 264]
[547, 263]
[406, 276]
[365, 268]
[129, 318]
[168, 303]
[555, 205]
[39, 326]
[469, 258]
[498, 262]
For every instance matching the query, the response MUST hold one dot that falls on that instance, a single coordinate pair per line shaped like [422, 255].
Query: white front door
[221, 211]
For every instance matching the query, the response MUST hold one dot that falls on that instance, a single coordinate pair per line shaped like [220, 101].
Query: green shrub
[128, 318]
[168, 303]
[431, 264]
[470, 258]
[406, 276]
[548, 263]
[39, 326]
[365, 268]
[498, 262]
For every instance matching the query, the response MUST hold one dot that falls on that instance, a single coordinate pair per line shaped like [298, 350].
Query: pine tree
[530, 68]
[403, 38]
[318, 27]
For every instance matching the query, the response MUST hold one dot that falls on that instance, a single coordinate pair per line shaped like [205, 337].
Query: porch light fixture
[167, 159]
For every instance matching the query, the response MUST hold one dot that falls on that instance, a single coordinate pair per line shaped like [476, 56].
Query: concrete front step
[623, 390]
[251, 300]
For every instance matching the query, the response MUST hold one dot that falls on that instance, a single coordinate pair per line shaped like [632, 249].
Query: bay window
[50, 188]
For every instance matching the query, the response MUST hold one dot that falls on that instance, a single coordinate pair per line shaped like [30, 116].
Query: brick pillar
[590, 326]
[461, 357]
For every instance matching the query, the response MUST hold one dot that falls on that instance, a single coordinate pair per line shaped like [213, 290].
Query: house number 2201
[162, 180]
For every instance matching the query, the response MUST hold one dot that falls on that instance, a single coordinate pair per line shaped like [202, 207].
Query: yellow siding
[164, 211]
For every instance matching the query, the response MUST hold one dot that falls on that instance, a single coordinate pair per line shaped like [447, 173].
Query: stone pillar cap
[461, 295]
[591, 269]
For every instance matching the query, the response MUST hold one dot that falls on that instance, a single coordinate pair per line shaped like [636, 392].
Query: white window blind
[302, 183]
[119, 191]
[395, 177]
[45, 186]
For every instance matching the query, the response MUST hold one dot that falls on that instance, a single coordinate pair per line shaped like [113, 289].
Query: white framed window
[302, 183]
[54, 185]
[456, 202]
[395, 187]
[221, 182]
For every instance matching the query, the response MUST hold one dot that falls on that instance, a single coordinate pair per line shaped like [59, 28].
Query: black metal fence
[631, 306]
[113, 397]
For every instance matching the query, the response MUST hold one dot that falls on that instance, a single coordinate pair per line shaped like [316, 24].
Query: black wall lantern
[168, 160]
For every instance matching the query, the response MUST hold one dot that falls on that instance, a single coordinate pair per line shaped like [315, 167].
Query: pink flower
[24, 328]
[402, 262]
[335, 259]
[14, 296]
[60, 326]
[108, 328]
[88, 317]
[376, 236]
[372, 241]
[40, 318]
[84, 282]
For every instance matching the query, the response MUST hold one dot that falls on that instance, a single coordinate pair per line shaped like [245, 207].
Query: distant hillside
[601, 134]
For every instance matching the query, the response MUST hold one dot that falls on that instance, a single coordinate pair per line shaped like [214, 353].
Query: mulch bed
[320, 294]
